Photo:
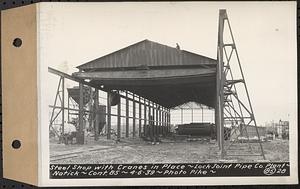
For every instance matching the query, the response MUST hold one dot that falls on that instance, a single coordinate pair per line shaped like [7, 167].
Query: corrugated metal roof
[162, 74]
[147, 54]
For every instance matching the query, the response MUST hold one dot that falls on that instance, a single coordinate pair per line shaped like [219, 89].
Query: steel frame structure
[160, 123]
[230, 107]
[54, 113]
[58, 108]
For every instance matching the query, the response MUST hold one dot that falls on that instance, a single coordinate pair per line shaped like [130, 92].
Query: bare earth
[167, 151]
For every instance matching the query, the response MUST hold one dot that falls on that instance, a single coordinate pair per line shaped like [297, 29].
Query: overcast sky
[265, 34]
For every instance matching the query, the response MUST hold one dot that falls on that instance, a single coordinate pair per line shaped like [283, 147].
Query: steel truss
[87, 107]
[58, 108]
[234, 112]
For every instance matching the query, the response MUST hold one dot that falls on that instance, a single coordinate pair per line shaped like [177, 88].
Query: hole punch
[16, 144]
[17, 42]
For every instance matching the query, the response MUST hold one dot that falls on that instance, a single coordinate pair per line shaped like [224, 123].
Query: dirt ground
[168, 150]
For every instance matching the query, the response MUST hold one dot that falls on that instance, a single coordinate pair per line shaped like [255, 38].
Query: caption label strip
[69, 171]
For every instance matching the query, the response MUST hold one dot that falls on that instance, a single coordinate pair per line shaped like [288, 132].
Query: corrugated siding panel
[146, 53]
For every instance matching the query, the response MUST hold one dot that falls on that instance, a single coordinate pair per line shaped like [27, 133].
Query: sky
[265, 34]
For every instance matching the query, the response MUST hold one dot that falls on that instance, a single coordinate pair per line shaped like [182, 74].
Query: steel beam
[72, 78]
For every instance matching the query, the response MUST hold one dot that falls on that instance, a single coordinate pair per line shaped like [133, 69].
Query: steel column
[97, 116]
[140, 116]
[127, 115]
[168, 121]
[80, 134]
[159, 120]
[220, 81]
[153, 121]
[134, 116]
[108, 116]
[68, 107]
[163, 120]
[63, 105]
[156, 120]
[145, 117]
[119, 122]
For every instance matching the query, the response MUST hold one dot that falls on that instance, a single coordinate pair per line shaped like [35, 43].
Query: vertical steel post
[68, 107]
[220, 82]
[127, 115]
[159, 120]
[145, 117]
[169, 120]
[119, 121]
[153, 120]
[91, 113]
[80, 135]
[156, 120]
[140, 116]
[108, 116]
[163, 121]
[96, 113]
[134, 116]
[63, 105]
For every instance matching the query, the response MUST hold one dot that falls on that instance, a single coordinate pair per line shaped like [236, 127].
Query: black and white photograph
[168, 89]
